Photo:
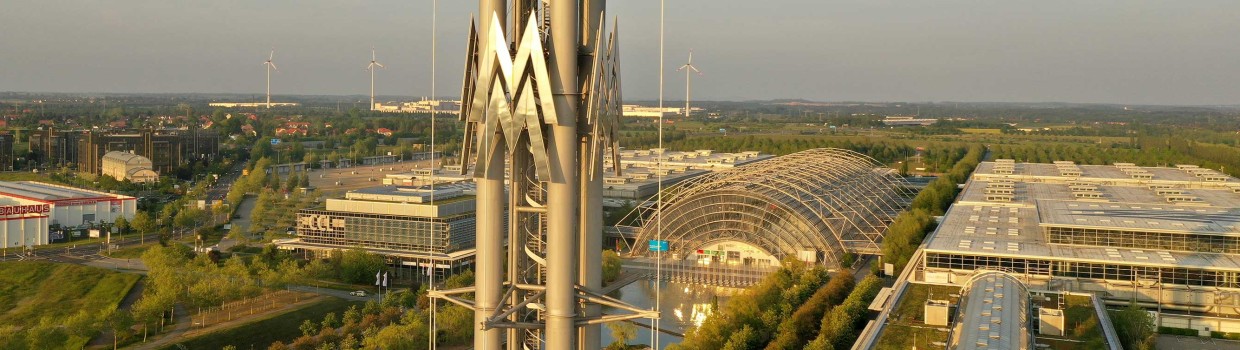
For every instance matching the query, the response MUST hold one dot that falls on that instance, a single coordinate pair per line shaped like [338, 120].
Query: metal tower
[548, 111]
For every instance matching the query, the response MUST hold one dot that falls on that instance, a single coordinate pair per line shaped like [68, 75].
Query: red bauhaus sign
[25, 209]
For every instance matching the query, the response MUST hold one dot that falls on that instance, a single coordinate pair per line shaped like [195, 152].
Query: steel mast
[540, 104]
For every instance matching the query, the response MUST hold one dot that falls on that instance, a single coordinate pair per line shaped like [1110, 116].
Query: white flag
[385, 279]
[377, 277]
[428, 270]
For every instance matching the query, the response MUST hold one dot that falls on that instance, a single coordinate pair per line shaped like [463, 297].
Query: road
[370, 294]
[241, 217]
[1166, 341]
[224, 184]
[75, 254]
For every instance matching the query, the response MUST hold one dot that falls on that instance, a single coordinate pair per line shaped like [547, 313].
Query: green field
[981, 131]
[33, 291]
[134, 252]
[263, 332]
[26, 176]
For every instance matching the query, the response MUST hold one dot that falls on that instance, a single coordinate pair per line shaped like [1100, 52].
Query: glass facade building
[394, 232]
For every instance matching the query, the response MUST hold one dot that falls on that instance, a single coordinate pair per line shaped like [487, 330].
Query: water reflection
[683, 306]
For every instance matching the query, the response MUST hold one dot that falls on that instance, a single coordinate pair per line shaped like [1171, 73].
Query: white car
[359, 293]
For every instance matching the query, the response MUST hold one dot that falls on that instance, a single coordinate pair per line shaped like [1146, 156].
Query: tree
[456, 323]
[308, 328]
[360, 266]
[350, 343]
[352, 315]
[1135, 327]
[120, 323]
[293, 181]
[317, 268]
[611, 265]
[744, 339]
[143, 222]
[410, 334]
[189, 218]
[273, 181]
[257, 177]
[122, 225]
[150, 308]
[623, 333]
[330, 320]
[81, 324]
[46, 334]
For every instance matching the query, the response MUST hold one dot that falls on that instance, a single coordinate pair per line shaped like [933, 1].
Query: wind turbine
[371, 68]
[270, 65]
[687, 80]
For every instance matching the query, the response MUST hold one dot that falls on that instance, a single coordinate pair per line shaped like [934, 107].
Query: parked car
[358, 293]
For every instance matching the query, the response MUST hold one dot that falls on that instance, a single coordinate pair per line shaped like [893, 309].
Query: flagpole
[430, 318]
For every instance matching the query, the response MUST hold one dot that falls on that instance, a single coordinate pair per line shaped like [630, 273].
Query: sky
[1106, 51]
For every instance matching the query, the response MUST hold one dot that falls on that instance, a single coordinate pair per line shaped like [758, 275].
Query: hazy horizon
[1132, 52]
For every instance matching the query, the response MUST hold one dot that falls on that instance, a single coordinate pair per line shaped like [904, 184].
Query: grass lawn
[261, 333]
[369, 288]
[134, 252]
[911, 308]
[981, 131]
[902, 337]
[27, 176]
[31, 291]
[1079, 314]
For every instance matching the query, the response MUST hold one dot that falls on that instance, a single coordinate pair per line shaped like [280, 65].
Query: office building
[7, 158]
[1165, 237]
[168, 149]
[55, 148]
[404, 224]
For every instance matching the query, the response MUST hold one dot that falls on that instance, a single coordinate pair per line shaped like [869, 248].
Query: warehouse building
[1166, 237]
[28, 208]
[404, 224]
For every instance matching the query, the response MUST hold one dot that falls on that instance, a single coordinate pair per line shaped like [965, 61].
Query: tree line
[906, 232]
[400, 322]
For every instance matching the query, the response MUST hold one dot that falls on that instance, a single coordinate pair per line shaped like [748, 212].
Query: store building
[28, 208]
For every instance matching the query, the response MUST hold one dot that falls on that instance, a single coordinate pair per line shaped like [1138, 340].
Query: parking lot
[334, 182]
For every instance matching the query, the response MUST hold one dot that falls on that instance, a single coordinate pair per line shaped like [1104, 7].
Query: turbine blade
[695, 70]
[273, 66]
[380, 65]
